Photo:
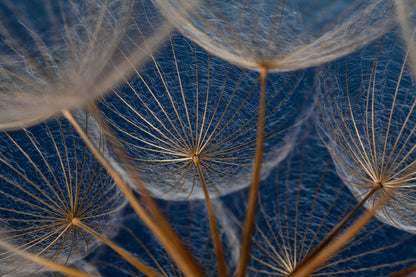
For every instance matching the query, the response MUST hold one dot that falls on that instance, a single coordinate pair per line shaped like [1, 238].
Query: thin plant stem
[150, 203]
[335, 231]
[166, 236]
[252, 203]
[324, 255]
[222, 267]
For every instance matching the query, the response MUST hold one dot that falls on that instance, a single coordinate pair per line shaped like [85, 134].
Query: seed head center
[73, 220]
[379, 184]
[195, 157]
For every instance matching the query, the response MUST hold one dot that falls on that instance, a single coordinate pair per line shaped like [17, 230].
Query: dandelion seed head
[49, 183]
[367, 105]
[187, 110]
[281, 35]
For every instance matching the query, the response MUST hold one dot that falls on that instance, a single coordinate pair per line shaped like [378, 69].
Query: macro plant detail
[279, 35]
[175, 116]
[188, 120]
[193, 228]
[80, 51]
[298, 209]
[368, 125]
[270, 36]
[407, 20]
[185, 149]
[52, 186]
[58, 55]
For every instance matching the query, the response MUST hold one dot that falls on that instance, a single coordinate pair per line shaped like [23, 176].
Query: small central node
[195, 157]
[74, 221]
[379, 185]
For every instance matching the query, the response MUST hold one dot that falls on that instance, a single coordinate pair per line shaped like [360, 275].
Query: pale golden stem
[222, 266]
[334, 232]
[321, 257]
[252, 202]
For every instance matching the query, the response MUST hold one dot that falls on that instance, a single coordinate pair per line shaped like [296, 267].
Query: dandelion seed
[368, 124]
[57, 55]
[299, 205]
[49, 179]
[279, 35]
[189, 110]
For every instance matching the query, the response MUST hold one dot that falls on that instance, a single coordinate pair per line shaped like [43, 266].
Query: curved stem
[321, 257]
[222, 267]
[252, 203]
